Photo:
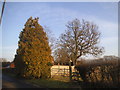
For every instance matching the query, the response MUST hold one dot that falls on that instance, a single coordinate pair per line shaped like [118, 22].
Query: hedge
[105, 72]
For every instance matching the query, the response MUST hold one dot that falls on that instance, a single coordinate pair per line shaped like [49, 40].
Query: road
[9, 82]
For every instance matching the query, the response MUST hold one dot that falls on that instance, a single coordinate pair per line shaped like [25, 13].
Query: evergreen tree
[33, 58]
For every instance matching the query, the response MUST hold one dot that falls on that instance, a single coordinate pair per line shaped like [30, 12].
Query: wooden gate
[61, 70]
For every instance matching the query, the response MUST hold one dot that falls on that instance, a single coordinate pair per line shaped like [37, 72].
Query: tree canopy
[33, 57]
[80, 38]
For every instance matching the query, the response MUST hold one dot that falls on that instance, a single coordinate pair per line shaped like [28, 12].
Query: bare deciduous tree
[81, 38]
[61, 56]
[51, 38]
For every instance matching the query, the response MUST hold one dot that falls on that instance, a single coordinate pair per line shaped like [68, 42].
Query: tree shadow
[95, 85]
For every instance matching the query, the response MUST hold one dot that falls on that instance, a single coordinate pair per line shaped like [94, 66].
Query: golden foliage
[34, 53]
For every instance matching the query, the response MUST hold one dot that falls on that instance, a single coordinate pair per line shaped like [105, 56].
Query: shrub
[106, 72]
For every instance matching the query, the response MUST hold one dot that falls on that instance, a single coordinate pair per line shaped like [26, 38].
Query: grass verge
[50, 83]
[46, 83]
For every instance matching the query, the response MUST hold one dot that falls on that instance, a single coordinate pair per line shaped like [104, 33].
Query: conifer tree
[33, 58]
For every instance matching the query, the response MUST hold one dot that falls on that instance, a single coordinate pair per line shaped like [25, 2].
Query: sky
[55, 16]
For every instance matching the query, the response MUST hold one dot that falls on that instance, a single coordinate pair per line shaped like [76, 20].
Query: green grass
[56, 82]
[51, 83]
[61, 78]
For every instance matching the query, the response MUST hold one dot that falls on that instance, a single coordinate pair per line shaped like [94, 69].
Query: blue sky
[55, 15]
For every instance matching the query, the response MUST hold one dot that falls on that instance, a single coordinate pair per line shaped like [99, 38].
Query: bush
[104, 72]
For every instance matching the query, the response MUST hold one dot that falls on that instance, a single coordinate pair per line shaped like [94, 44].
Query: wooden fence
[60, 70]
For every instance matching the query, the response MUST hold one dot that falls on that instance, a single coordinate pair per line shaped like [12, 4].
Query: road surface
[9, 82]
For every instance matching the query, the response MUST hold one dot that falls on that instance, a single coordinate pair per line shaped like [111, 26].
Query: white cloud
[107, 28]
[110, 45]
[9, 47]
[109, 36]
[8, 52]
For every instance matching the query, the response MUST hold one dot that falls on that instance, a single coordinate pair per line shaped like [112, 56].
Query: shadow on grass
[51, 83]
[94, 85]
[46, 83]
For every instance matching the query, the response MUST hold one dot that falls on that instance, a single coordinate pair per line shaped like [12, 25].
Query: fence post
[64, 71]
[70, 70]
